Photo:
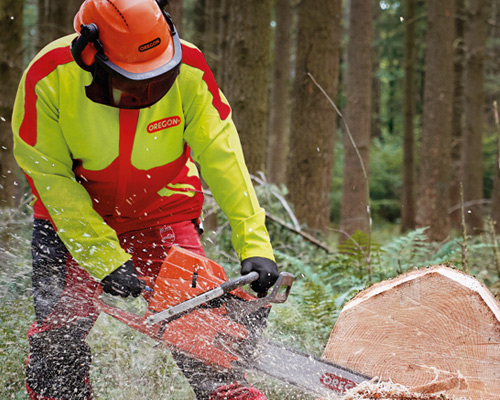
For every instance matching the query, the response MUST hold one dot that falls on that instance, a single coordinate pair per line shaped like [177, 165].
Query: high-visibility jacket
[97, 171]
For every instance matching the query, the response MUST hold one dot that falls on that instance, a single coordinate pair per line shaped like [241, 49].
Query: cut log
[426, 326]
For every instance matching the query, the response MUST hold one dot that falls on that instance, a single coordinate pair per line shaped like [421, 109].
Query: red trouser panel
[59, 361]
[34, 396]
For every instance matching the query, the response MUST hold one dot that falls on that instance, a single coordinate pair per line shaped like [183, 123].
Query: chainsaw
[194, 309]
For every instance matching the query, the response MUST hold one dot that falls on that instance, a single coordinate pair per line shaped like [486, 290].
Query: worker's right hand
[123, 281]
[267, 269]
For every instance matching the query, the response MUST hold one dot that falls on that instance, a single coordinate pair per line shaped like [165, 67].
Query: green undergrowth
[128, 365]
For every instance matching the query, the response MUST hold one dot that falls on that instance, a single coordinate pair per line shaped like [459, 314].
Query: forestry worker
[107, 125]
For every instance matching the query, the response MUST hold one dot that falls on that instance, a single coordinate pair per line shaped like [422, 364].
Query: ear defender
[88, 34]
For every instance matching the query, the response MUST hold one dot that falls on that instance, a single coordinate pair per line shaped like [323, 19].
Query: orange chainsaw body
[184, 275]
[206, 334]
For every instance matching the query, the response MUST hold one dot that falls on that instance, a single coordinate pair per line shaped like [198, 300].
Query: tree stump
[422, 330]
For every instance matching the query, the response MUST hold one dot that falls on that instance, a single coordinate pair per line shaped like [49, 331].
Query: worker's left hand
[267, 269]
[123, 281]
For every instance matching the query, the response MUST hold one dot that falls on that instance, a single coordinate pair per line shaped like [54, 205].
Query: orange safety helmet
[131, 48]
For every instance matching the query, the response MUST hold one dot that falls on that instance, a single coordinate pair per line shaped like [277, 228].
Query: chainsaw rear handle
[128, 318]
[148, 286]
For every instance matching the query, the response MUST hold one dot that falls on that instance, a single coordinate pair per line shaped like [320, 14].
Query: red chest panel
[127, 198]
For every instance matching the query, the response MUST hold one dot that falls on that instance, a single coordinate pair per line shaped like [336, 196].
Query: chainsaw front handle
[279, 294]
[240, 281]
[203, 298]
[284, 279]
[139, 323]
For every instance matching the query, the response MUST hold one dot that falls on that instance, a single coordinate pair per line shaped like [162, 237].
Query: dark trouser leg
[59, 360]
[59, 363]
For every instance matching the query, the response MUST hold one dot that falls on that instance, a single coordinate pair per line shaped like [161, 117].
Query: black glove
[267, 269]
[123, 281]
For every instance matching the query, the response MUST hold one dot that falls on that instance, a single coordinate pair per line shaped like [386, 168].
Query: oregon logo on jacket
[163, 124]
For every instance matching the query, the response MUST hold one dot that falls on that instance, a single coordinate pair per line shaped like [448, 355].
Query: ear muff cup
[88, 34]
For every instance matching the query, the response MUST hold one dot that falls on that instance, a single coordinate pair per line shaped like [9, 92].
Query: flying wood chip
[432, 330]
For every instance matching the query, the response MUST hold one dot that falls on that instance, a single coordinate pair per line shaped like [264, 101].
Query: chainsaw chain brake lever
[284, 279]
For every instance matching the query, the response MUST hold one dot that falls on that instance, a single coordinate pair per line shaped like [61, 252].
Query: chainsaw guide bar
[304, 371]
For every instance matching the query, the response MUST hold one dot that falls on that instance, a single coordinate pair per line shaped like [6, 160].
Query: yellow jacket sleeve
[212, 135]
[42, 153]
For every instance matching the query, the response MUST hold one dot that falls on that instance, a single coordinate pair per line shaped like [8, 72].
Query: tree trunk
[312, 134]
[457, 120]
[278, 123]
[355, 191]
[436, 132]
[223, 43]
[11, 67]
[475, 41]
[493, 73]
[492, 66]
[247, 75]
[408, 203]
[210, 38]
[376, 129]
[495, 193]
[55, 19]
[211, 23]
[199, 28]
[174, 8]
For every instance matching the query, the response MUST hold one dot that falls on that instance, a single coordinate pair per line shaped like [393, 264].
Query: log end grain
[422, 327]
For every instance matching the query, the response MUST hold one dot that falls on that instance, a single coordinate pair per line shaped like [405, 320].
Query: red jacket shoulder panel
[194, 58]
[36, 72]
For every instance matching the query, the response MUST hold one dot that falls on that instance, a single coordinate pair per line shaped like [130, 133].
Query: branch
[468, 204]
[298, 232]
[492, 22]
[361, 162]
[365, 175]
[282, 200]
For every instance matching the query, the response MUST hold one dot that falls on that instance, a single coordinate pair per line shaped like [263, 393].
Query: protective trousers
[59, 359]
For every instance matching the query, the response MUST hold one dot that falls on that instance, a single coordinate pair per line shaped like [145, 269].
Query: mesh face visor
[113, 86]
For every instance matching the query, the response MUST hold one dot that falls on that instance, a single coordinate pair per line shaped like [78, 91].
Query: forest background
[371, 130]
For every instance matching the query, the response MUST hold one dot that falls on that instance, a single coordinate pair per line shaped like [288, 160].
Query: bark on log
[425, 326]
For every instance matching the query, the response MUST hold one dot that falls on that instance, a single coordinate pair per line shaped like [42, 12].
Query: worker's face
[128, 92]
